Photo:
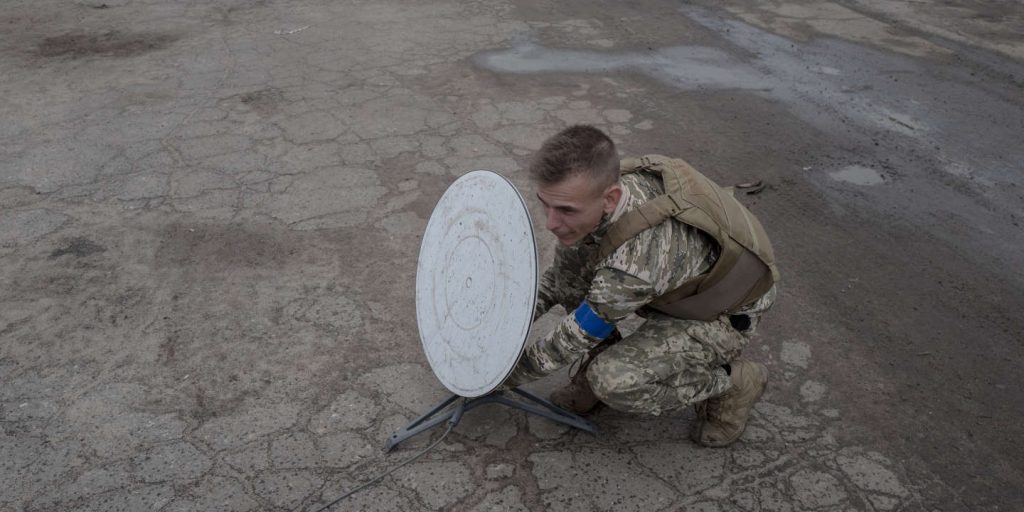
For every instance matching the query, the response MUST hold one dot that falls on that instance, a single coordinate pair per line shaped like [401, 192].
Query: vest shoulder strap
[634, 222]
[673, 203]
[745, 268]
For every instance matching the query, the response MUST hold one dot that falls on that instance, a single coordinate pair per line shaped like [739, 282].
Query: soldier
[654, 237]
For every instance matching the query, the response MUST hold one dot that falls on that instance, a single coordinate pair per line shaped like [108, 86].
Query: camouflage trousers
[666, 364]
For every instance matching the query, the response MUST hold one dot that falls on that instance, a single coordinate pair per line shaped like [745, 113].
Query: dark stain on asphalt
[264, 101]
[78, 247]
[217, 248]
[105, 44]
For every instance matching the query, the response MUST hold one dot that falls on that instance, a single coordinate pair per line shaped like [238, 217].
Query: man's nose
[553, 220]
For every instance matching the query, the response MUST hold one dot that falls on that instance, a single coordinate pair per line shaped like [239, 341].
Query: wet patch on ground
[78, 247]
[263, 101]
[224, 247]
[687, 67]
[858, 175]
[106, 44]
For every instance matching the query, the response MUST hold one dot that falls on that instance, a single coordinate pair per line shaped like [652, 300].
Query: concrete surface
[209, 221]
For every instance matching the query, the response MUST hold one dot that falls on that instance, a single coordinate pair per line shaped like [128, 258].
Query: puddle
[688, 67]
[858, 175]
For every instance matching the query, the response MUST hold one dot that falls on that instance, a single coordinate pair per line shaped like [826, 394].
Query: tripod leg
[549, 411]
[448, 401]
[425, 422]
[547, 405]
[438, 415]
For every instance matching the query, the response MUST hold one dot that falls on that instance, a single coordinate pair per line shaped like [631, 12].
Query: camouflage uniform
[667, 363]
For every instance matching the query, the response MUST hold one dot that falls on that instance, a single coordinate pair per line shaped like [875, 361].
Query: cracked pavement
[210, 217]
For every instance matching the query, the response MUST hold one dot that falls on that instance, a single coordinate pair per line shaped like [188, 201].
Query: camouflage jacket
[645, 267]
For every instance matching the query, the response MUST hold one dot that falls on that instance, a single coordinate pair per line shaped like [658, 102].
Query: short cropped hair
[579, 149]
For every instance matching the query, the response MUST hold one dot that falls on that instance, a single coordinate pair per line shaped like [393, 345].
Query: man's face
[574, 206]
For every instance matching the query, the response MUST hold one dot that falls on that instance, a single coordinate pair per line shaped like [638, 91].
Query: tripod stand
[438, 414]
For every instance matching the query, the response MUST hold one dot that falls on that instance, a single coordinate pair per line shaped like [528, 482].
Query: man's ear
[612, 195]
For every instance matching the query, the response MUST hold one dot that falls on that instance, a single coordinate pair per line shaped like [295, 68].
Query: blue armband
[593, 325]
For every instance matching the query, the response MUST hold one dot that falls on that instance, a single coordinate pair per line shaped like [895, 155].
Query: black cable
[451, 425]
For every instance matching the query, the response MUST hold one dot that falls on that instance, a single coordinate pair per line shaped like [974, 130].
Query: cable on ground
[451, 425]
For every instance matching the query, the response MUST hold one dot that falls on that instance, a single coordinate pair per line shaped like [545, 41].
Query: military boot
[722, 419]
[578, 397]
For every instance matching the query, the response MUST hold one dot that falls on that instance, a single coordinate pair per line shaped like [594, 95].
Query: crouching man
[651, 236]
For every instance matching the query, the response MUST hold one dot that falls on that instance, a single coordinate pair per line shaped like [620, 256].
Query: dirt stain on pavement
[105, 44]
[223, 247]
[264, 101]
[77, 247]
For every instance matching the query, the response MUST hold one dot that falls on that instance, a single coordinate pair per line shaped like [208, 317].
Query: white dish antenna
[476, 283]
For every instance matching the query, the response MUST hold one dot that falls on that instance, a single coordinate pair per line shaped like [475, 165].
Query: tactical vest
[745, 269]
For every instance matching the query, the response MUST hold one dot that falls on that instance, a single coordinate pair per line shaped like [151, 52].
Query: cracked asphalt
[210, 216]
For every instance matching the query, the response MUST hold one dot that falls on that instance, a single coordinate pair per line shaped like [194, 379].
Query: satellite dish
[476, 283]
[476, 286]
